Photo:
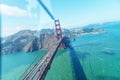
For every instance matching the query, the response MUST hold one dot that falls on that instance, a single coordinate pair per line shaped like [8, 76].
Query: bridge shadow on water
[76, 65]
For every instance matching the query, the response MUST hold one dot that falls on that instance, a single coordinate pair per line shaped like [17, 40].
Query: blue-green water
[13, 65]
[97, 54]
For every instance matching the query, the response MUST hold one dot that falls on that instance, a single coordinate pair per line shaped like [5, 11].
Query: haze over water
[98, 54]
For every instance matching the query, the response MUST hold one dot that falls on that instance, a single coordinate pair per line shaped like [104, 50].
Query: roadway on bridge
[40, 69]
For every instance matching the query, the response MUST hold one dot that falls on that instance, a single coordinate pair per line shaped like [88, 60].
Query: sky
[18, 15]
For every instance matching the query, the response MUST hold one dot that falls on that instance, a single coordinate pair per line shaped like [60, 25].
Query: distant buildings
[78, 32]
[87, 30]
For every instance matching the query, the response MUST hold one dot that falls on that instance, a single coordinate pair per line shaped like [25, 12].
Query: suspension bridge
[39, 71]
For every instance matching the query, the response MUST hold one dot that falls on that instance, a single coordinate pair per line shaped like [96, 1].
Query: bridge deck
[40, 69]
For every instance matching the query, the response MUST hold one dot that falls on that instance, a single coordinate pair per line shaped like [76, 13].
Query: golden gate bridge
[39, 71]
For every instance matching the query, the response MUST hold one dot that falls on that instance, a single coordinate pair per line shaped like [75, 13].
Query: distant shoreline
[77, 33]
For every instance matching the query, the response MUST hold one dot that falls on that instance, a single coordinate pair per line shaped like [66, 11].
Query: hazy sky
[28, 14]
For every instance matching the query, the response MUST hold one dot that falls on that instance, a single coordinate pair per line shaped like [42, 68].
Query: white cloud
[12, 10]
[32, 4]
[44, 17]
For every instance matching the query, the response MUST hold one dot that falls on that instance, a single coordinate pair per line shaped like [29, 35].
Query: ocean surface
[99, 54]
[91, 57]
[14, 65]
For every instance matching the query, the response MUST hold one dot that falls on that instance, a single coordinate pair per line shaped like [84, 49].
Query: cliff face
[44, 41]
[16, 42]
[27, 40]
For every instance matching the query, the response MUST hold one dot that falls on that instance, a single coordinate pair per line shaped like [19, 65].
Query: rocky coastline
[29, 41]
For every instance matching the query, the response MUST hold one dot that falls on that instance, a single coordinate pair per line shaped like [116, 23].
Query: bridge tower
[58, 29]
[59, 33]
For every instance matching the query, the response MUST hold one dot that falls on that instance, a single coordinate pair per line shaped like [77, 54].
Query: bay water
[97, 54]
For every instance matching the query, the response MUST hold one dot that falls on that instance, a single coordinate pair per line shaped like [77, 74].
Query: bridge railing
[42, 64]
[34, 63]
[29, 68]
